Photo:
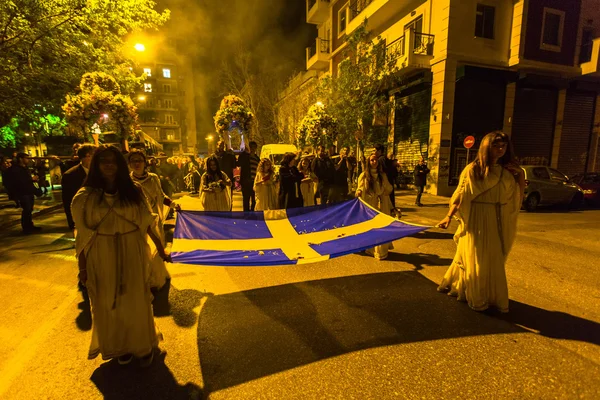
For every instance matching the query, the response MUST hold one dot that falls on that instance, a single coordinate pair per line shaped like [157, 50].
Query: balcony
[317, 11]
[592, 67]
[378, 12]
[412, 51]
[318, 55]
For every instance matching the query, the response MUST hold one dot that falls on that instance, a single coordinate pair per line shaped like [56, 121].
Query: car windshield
[590, 179]
[277, 158]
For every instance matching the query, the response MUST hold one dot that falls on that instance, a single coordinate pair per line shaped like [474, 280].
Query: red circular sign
[469, 142]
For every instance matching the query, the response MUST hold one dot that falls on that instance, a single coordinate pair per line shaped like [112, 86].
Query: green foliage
[10, 134]
[232, 109]
[100, 94]
[357, 96]
[47, 45]
[317, 127]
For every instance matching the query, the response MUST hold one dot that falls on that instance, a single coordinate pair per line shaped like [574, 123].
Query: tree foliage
[47, 45]
[100, 102]
[317, 127]
[357, 96]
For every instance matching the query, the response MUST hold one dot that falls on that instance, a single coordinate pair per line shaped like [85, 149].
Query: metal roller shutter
[533, 124]
[576, 132]
[411, 127]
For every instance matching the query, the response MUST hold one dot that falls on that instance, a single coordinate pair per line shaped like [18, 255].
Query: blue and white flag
[278, 237]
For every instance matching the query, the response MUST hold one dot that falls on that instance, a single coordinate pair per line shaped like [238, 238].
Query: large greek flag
[278, 237]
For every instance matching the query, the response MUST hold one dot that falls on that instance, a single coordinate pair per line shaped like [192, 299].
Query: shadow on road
[418, 260]
[257, 333]
[118, 382]
[84, 319]
[433, 235]
[180, 304]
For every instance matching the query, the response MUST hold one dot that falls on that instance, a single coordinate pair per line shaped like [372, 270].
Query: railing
[324, 45]
[357, 6]
[312, 50]
[423, 44]
[311, 3]
[395, 49]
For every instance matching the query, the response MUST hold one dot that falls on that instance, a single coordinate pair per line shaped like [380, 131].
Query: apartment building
[165, 102]
[468, 67]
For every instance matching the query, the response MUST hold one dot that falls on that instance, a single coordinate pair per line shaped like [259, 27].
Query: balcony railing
[423, 44]
[395, 49]
[311, 3]
[323, 47]
[357, 6]
[312, 50]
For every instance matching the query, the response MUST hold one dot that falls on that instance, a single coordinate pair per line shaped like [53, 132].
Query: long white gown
[487, 216]
[378, 198]
[113, 237]
[218, 199]
[266, 192]
[153, 191]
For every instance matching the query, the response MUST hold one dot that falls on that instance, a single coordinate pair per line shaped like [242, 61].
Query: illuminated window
[147, 87]
[148, 71]
[166, 73]
[484, 21]
[553, 24]
[168, 103]
[169, 119]
[167, 88]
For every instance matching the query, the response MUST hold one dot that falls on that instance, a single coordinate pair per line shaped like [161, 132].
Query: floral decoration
[233, 112]
[317, 127]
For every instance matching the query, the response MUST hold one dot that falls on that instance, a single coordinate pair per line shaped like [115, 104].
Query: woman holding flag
[374, 189]
[264, 186]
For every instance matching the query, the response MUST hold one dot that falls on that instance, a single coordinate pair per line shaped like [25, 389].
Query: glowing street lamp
[320, 104]
[141, 98]
[139, 47]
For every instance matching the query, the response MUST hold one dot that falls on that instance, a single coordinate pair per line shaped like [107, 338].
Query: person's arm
[445, 223]
[82, 264]
[158, 243]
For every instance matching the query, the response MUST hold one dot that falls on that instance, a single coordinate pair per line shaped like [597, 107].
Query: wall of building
[533, 35]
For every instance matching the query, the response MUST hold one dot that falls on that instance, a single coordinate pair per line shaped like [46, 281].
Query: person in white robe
[160, 204]
[374, 188]
[307, 186]
[265, 186]
[486, 204]
[215, 194]
[114, 219]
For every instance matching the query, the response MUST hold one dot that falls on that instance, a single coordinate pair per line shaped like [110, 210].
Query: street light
[141, 98]
[139, 47]
[320, 104]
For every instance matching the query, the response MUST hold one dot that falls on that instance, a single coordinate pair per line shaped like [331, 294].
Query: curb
[45, 211]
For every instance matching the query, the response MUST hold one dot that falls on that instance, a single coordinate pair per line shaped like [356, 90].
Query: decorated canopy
[278, 237]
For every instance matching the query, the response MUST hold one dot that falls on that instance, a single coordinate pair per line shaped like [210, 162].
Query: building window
[167, 88]
[484, 21]
[170, 134]
[342, 21]
[166, 73]
[168, 103]
[148, 71]
[553, 24]
[168, 119]
[587, 43]
[147, 87]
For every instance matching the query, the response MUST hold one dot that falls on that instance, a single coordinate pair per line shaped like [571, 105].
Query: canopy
[279, 237]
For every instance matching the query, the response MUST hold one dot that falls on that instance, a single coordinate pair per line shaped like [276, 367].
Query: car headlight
[589, 191]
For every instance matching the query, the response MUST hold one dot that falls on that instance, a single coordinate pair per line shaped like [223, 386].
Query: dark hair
[380, 147]
[483, 162]
[287, 158]
[137, 153]
[83, 150]
[253, 144]
[128, 191]
[22, 155]
[209, 172]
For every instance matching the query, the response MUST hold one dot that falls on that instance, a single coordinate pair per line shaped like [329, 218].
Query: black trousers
[27, 206]
[420, 190]
[248, 196]
[323, 191]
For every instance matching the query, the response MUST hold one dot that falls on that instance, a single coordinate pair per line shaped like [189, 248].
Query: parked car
[590, 184]
[546, 186]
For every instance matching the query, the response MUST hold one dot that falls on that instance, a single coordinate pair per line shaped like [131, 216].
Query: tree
[357, 96]
[101, 103]
[47, 45]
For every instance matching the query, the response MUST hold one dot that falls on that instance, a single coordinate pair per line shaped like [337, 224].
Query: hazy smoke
[274, 31]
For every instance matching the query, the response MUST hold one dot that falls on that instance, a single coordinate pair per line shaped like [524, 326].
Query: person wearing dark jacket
[21, 183]
[227, 162]
[248, 162]
[290, 195]
[73, 179]
[420, 173]
[324, 170]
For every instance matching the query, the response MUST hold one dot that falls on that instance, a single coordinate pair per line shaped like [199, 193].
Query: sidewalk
[11, 216]
[407, 197]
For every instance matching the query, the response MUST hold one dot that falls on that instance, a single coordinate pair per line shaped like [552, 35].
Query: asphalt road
[351, 328]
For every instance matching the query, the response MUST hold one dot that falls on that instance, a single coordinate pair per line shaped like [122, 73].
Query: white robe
[113, 237]
[153, 191]
[266, 192]
[487, 216]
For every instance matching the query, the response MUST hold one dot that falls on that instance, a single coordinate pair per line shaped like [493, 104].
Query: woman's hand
[445, 223]
[514, 168]
[358, 193]
[176, 206]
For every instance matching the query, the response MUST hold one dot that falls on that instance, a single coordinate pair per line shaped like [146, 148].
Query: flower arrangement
[233, 112]
[100, 94]
[317, 127]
